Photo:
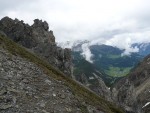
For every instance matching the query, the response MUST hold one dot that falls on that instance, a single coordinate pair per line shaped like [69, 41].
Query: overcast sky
[114, 22]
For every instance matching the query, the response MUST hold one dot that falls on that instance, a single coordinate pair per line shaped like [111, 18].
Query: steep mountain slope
[29, 84]
[133, 92]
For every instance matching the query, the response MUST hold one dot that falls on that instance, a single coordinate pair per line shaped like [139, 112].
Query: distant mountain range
[144, 48]
[108, 61]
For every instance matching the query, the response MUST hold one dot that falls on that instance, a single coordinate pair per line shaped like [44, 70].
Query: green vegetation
[84, 109]
[116, 65]
[108, 61]
[82, 66]
[113, 56]
[76, 88]
[117, 71]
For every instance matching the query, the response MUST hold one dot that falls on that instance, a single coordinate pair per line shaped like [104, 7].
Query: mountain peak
[38, 39]
[40, 24]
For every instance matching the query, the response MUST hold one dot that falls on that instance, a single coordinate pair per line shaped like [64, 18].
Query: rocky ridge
[38, 39]
[133, 92]
[96, 84]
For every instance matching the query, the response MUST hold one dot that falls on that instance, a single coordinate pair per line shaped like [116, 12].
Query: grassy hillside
[112, 62]
[76, 88]
[117, 71]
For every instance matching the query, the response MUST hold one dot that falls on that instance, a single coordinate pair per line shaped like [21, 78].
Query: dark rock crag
[133, 92]
[38, 39]
[97, 85]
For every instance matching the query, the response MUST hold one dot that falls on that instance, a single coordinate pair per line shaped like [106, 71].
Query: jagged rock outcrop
[38, 39]
[100, 88]
[96, 84]
[83, 79]
[133, 92]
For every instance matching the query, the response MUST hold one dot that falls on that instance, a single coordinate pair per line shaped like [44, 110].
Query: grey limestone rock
[40, 40]
[39, 24]
[133, 92]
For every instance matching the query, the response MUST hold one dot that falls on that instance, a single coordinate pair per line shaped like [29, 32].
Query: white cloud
[86, 53]
[98, 20]
[124, 41]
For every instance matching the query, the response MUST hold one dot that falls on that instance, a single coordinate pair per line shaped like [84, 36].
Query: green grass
[76, 88]
[117, 71]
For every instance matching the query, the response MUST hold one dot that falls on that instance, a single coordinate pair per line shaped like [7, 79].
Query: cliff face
[97, 85]
[38, 39]
[133, 91]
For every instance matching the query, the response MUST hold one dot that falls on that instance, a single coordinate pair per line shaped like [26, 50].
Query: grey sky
[102, 21]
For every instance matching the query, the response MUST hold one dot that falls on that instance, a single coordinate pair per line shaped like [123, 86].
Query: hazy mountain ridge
[144, 48]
